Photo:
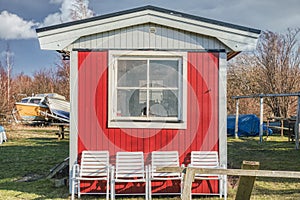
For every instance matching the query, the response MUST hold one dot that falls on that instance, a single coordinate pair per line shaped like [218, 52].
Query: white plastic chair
[94, 166]
[209, 159]
[164, 159]
[129, 169]
[3, 137]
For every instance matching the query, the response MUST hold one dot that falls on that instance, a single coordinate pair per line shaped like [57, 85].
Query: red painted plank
[202, 113]
[203, 80]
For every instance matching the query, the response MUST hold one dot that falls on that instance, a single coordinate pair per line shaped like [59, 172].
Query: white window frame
[115, 121]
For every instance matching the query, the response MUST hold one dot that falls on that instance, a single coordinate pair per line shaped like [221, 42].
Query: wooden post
[282, 126]
[246, 183]
[267, 131]
[187, 183]
[62, 131]
[236, 129]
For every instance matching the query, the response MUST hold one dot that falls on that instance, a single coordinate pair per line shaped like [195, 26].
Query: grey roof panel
[149, 7]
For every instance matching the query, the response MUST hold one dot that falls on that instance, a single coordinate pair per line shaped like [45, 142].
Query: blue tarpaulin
[248, 125]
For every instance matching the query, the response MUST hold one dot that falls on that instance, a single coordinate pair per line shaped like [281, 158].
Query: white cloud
[65, 13]
[56, 1]
[15, 27]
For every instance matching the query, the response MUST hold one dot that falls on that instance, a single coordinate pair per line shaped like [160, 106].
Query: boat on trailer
[29, 108]
[48, 107]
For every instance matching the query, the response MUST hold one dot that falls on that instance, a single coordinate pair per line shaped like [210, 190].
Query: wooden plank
[237, 172]
[249, 173]
[55, 170]
[187, 183]
[246, 183]
[278, 127]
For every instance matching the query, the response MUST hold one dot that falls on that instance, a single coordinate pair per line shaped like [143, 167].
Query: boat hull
[59, 107]
[31, 112]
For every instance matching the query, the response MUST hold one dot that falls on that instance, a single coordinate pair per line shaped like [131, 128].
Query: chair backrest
[94, 164]
[130, 165]
[164, 159]
[205, 159]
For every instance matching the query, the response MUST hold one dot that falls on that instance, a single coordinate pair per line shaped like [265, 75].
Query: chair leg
[107, 189]
[73, 189]
[221, 187]
[146, 190]
[181, 188]
[112, 187]
[225, 187]
[78, 189]
[114, 191]
[150, 189]
[147, 184]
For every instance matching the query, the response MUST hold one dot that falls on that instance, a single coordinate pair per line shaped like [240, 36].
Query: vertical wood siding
[140, 37]
[202, 125]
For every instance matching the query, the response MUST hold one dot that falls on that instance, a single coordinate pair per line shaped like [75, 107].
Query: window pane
[35, 101]
[24, 100]
[163, 103]
[164, 73]
[131, 102]
[132, 73]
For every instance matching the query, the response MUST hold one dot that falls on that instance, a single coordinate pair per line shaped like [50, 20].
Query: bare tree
[278, 55]
[62, 78]
[274, 68]
[44, 81]
[3, 90]
[22, 85]
[242, 72]
[80, 10]
[8, 57]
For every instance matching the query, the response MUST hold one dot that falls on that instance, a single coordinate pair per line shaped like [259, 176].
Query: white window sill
[145, 125]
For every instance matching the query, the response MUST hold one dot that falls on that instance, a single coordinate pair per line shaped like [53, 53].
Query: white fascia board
[61, 38]
[237, 40]
[235, 45]
[203, 24]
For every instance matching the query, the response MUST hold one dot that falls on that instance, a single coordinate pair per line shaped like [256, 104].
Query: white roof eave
[61, 38]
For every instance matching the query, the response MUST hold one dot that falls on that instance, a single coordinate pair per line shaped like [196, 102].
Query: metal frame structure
[261, 96]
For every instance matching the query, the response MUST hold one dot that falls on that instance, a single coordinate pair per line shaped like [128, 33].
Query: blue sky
[19, 18]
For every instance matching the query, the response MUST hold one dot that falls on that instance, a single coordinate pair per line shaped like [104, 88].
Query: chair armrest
[75, 170]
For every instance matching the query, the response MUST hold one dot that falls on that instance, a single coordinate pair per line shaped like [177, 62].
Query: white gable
[109, 28]
[147, 36]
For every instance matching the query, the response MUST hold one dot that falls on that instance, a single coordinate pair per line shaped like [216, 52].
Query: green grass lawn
[30, 153]
[274, 154]
[25, 161]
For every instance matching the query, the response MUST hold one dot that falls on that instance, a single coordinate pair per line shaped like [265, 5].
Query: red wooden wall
[202, 113]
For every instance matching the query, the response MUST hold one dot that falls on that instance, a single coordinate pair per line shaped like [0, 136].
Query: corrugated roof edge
[149, 7]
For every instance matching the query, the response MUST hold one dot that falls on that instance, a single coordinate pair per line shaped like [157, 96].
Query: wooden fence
[248, 173]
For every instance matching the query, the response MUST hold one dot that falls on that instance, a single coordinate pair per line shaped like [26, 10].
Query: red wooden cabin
[149, 79]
